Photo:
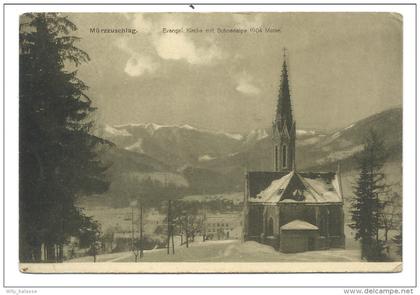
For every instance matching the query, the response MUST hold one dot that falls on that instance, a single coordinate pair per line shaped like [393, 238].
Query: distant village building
[290, 210]
[223, 226]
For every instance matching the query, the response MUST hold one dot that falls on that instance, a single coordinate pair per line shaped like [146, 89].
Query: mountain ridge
[210, 162]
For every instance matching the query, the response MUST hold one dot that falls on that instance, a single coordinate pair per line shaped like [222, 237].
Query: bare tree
[391, 215]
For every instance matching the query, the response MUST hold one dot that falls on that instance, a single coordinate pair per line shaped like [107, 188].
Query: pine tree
[367, 206]
[58, 155]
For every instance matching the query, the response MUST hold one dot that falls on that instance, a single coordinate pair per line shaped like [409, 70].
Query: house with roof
[292, 210]
[223, 226]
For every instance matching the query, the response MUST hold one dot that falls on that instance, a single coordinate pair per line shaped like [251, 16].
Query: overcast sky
[343, 67]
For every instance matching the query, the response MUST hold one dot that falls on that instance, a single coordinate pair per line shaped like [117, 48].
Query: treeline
[153, 191]
[206, 181]
[147, 190]
[58, 155]
[211, 206]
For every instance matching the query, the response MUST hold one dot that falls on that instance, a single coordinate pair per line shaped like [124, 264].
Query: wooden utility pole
[132, 228]
[186, 230]
[182, 234]
[204, 223]
[141, 230]
[134, 242]
[172, 236]
[169, 224]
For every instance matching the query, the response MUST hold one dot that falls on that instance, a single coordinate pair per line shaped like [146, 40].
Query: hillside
[175, 145]
[199, 161]
[322, 150]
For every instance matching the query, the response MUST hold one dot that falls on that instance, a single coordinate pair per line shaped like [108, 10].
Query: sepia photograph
[241, 142]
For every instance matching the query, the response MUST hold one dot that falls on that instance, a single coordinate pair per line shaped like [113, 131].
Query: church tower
[284, 127]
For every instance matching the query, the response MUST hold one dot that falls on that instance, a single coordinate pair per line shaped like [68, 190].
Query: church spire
[284, 105]
[284, 129]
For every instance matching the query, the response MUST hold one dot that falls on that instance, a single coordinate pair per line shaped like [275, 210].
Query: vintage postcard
[210, 142]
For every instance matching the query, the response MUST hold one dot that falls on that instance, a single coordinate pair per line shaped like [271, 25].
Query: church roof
[274, 192]
[260, 180]
[297, 187]
[299, 225]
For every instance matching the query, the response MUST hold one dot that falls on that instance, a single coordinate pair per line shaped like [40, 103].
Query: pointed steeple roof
[284, 105]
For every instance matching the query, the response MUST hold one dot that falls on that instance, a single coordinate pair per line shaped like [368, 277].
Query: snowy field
[229, 251]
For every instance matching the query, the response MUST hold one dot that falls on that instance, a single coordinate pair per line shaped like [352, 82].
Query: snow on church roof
[297, 187]
[299, 225]
[274, 192]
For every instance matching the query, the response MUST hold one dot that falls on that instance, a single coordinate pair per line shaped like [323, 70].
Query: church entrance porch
[298, 236]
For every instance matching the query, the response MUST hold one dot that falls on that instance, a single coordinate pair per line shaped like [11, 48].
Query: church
[291, 210]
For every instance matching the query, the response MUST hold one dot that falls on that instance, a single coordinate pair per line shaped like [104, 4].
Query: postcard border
[162, 273]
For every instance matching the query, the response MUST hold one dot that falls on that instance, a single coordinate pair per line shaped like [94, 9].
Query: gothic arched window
[270, 227]
[284, 156]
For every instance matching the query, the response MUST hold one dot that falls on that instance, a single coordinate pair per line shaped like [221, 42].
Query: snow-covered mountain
[152, 128]
[204, 161]
[176, 145]
[317, 150]
[184, 144]
[256, 135]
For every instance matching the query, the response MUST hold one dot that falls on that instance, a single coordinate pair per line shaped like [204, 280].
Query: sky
[342, 67]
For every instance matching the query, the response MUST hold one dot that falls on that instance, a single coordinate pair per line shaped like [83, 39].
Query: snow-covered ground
[229, 251]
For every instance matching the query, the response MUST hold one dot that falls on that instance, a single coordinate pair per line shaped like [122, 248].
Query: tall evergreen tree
[58, 155]
[367, 206]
